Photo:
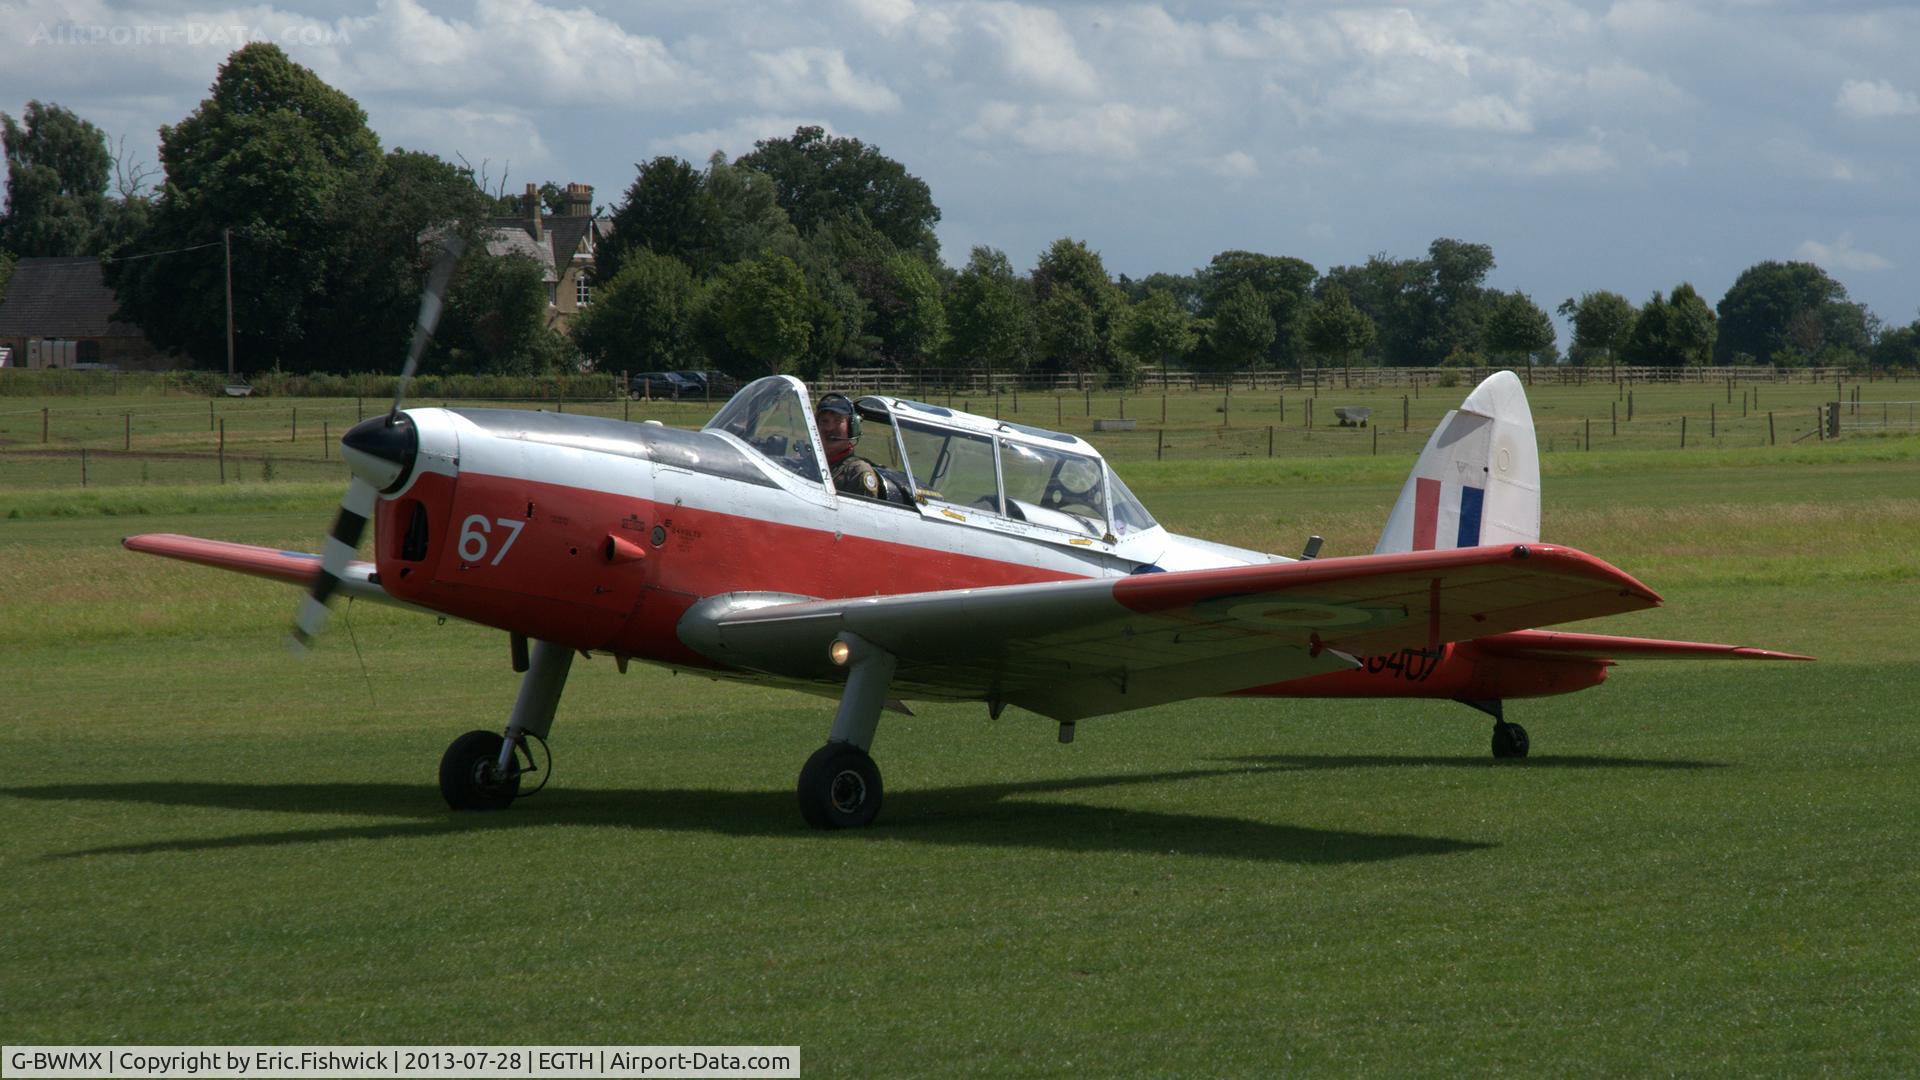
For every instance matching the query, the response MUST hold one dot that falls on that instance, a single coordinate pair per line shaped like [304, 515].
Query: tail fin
[1478, 480]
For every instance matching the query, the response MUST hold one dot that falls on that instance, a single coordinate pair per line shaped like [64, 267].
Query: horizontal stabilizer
[1544, 643]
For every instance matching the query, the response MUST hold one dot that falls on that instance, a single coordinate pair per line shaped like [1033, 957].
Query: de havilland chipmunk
[958, 558]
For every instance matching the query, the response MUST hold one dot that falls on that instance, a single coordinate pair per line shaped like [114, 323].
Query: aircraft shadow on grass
[1399, 761]
[988, 815]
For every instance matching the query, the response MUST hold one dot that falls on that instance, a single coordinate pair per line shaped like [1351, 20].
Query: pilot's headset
[842, 404]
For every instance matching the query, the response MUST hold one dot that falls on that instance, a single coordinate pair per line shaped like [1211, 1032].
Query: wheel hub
[848, 791]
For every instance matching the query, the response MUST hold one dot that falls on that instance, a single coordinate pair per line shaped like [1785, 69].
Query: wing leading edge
[1081, 648]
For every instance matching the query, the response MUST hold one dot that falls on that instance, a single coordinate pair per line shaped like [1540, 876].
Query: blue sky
[1626, 146]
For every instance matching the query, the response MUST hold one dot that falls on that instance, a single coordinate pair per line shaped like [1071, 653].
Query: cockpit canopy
[940, 457]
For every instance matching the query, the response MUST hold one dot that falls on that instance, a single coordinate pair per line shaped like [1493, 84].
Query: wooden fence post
[127, 438]
[43, 423]
[223, 451]
[1770, 441]
[1160, 444]
[325, 440]
[293, 426]
[83, 466]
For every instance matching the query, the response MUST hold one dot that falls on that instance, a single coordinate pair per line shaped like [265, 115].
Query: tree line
[807, 253]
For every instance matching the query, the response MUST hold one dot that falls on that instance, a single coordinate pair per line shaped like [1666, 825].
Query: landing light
[838, 652]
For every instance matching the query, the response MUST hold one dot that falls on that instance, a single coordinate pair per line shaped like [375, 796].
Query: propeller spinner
[381, 452]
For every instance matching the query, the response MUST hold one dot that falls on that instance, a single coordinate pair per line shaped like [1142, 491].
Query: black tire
[468, 776]
[1509, 741]
[839, 788]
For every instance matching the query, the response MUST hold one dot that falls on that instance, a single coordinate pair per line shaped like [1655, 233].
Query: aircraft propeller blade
[380, 453]
[430, 306]
[348, 526]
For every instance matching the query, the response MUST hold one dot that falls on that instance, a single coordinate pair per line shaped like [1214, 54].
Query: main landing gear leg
[1509, 740]
[480, 770]
[840, 784]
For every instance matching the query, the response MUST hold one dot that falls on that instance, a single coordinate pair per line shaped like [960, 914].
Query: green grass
[1703, 869]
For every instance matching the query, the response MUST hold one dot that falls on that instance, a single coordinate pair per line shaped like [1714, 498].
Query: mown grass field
[1702, 869]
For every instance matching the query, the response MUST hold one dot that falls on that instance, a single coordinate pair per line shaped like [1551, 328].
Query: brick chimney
[533, 212]
[579, 200]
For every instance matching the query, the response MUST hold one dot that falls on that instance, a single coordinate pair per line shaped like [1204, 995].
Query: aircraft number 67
[477, 530]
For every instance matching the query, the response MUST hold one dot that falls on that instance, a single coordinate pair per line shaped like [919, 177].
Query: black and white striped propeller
[380, 452]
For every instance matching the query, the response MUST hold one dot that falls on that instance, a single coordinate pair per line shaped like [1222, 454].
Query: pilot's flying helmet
[837, 402]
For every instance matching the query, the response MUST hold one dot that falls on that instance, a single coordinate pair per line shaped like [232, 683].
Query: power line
[157, 254]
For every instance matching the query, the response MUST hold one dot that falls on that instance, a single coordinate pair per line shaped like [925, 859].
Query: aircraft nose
[381, 450]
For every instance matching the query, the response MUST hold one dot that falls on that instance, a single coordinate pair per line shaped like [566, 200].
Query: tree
[1157, 330]
[494, 320]
[1184, 288]
[1069, 341]
[1070, 266]
[1649, 343]
[1284, 284]
[747, 214]
[271, 153]
[58, 166]
[1896, 348]
[1243, 327]
[1517, 329]
[755, 317]
[1691, 326]
[989, 322]
[1759, 312]
[642, 319]
[6, 272]
[1334, 329]
[817, 176]
[1426, 310]
[1601, 322]
[393, 224]
[668, 211]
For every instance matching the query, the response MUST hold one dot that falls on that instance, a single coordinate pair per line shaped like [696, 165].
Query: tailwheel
[1509, 740]
[470, 774]
[839, 787]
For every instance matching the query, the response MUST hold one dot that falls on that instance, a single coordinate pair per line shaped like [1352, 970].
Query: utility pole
[226, 240]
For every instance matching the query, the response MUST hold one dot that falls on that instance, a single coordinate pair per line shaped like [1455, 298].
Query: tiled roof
[561, 237]
[60, 297]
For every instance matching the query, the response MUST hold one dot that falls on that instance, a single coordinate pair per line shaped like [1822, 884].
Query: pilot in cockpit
[839, 430]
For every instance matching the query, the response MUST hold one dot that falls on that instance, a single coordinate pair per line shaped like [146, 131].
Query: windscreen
[770, 416]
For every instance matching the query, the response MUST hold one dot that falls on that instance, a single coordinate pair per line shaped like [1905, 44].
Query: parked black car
[663, 385]
[718, 384]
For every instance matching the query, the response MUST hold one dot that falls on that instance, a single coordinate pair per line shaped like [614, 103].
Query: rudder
[1478, 480]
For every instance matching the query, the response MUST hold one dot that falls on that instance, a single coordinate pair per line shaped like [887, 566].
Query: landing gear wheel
[839, 788]
[1509, 740]
[470, 778]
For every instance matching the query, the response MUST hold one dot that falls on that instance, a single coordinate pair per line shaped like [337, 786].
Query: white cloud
[1873, 100]
[1796, 159]
[1841, 255]
[814, 76]
[735, 139]
[887, 16]
[1234, 165]
[1573, 159]
[1114, 131]
[1037, 49]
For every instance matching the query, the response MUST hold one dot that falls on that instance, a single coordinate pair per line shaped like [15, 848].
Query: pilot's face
[833, 431]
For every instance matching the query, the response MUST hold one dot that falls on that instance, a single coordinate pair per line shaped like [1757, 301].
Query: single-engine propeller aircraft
[990, 562]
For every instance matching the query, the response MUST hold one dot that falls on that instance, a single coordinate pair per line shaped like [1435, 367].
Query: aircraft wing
[292, 567]
[1551, 643]
[1070, 649]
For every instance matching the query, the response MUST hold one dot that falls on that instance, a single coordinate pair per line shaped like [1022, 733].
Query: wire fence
[170, 440]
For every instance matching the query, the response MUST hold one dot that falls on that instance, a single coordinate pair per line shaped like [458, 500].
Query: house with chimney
[58, 313]
[563, 244]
